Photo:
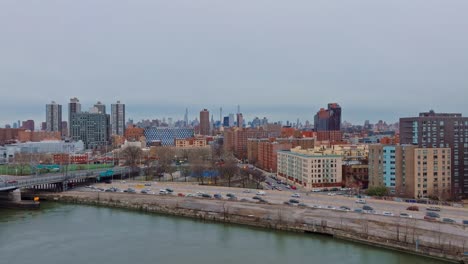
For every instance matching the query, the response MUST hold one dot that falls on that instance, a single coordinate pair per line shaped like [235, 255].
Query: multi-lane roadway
[309, 199]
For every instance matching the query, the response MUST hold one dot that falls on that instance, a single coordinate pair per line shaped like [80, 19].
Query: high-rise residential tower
[54, 117]
[74, 106]
[101, 108]
[91, 128]
[204, 122]
[327, 123]
[118, 118]
[441, 130]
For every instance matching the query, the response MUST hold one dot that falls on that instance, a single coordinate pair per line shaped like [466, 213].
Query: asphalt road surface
[279, 197]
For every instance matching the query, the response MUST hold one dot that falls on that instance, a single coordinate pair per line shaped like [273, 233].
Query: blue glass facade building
[166, 135]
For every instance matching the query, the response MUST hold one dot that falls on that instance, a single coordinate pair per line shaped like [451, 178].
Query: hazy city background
[277, 59]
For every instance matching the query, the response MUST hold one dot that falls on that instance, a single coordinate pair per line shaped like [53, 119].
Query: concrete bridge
[9, 185]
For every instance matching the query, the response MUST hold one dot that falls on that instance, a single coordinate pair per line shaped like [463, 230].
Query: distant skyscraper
[226, 121]
[231, 120]
[100, 107]
[44, 126]
[73, 107]
[118, 118]
[221, 115]
[28, 125]
[65, 129]
[15, 125]
[327, 123]
[186, 117]
[328, 119]
[240, 120]
[54, 117]
[204, 122]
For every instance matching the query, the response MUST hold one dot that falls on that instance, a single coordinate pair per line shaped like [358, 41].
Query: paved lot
[279, 197]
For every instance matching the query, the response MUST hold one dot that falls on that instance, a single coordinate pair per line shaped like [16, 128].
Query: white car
[296, 195]
[361, 201]
[331, 194]
[387, 213]
[162, 191]
[261, 193]
[405, 215]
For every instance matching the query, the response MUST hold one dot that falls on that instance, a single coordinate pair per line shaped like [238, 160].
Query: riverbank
[437, 240]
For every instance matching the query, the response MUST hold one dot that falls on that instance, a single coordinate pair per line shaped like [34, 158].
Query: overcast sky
[280, 59]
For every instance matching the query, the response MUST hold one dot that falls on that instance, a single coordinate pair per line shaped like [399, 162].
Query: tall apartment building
[235, 139]
[327, 123]
[240, 120]
[410, 171]
[118, 119]
[100, 107]
[28, 125]
[205, 122]
[268, 154]
[74, 106]
[310, 168]
[91, 128]
[54, 117]
[441, 130]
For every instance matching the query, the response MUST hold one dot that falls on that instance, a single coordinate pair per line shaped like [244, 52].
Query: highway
[310, 199]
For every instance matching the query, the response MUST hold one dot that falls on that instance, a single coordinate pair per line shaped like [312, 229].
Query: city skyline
[192, 115]
[280, 60]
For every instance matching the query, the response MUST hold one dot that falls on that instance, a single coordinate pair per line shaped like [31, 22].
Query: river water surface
[75, 234]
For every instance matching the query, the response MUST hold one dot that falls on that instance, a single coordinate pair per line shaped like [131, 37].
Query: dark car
[218, 196]
[465, 222]
[108, 182]
[256, 197]
[367, 208]
[294, 201]
[412, 208]
[432, 214]
[433, 208]
[345, 208]
[261, 200]
[169, 190]
[448, 220]
[205, 195]
[230, 195]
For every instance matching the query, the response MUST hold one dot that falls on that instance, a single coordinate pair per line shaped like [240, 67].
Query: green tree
[377, 191]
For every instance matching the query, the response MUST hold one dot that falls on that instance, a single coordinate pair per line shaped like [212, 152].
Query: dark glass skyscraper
[328, 119]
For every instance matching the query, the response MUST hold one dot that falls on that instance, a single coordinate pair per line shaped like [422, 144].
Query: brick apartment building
[9, 135]
[410, 171]
[36, 136]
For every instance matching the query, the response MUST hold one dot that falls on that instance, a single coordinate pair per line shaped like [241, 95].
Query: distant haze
[279, 59]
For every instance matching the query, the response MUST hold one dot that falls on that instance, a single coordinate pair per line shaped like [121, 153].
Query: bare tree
[228, 168]
[198, 167]
[258, 177]
[132, 156]
[166, 157]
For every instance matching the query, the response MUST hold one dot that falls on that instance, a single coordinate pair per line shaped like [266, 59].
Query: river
[69, 234]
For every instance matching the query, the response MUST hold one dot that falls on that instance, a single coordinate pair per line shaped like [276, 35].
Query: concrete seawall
[438, 240]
